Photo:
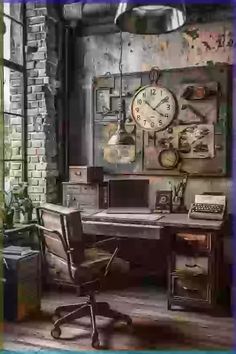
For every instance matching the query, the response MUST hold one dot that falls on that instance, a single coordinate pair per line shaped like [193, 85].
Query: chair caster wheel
[56, 332]
[95, 342]
[128, 321]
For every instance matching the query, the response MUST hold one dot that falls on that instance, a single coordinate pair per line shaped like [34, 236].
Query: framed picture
[103, 103]
[163, 202]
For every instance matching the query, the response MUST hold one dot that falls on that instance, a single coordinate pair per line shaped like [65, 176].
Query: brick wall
[42, 84]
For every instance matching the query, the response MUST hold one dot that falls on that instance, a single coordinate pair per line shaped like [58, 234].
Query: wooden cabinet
[193, 268]
[85, 196]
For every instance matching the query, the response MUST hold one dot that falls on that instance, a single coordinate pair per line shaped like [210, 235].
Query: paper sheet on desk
[139, 217]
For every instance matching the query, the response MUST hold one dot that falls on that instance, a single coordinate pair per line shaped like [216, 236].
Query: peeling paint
[193, 33]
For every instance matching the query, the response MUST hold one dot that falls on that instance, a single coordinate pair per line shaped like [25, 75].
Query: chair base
[90, 308]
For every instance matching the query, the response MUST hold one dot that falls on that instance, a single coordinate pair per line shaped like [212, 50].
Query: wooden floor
[154, 327]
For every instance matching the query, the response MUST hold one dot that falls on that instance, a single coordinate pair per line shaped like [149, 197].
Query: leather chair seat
[91, 268]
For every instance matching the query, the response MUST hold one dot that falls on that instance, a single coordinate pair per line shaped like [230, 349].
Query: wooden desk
[141, 226]
[194, 246]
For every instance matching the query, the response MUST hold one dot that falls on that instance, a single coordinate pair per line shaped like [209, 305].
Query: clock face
[168, 158]
[153, 108]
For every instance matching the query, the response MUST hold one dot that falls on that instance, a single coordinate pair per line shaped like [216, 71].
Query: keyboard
[207, 211]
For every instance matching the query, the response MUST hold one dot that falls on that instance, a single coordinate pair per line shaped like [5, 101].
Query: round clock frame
[153, 108]
[173, 158]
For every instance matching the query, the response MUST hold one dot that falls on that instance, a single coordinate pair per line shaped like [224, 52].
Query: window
[14, 109]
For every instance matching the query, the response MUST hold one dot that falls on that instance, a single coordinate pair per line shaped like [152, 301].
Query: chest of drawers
[85, 196]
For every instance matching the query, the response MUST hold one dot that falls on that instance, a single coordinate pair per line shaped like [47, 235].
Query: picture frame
[163, 202]
[103, 102]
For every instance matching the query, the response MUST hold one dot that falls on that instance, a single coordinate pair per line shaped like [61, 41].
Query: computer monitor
[128, 193]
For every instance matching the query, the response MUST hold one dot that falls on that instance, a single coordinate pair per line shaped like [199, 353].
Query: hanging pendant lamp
[150, 19]
[121, 136]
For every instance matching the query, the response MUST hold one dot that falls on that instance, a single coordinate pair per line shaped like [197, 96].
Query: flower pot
[8, 219]
[25, 218]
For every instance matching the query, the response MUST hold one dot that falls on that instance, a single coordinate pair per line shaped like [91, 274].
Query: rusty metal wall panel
[212, 162]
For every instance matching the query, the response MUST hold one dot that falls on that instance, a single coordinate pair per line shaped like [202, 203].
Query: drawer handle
[191, 266]
[78, 173]
[188, 289]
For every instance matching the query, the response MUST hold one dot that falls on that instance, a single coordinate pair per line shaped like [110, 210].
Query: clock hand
[154, 109]
[149, 105]
[165, 99]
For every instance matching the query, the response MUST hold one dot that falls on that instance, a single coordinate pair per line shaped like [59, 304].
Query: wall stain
[206, 45]
[193, 33]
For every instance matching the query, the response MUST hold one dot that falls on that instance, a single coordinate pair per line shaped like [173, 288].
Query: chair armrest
[110, 262]
[106, 241]
[43, 228]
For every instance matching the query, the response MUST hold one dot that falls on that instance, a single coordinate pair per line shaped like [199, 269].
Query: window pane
[13, 41]
[13, 91]
[16, 11]
[13, 137]
[12, 174]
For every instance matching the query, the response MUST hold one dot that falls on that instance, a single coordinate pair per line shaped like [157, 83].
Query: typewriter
[210, 207]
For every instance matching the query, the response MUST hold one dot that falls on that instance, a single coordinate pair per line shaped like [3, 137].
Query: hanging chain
[120, 64]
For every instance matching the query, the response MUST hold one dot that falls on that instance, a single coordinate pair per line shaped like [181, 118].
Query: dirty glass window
[14, 94]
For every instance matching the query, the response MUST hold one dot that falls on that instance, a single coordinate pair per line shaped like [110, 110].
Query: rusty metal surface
[206, 138]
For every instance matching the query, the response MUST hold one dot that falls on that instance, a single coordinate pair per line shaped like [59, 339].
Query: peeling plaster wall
[195, 45]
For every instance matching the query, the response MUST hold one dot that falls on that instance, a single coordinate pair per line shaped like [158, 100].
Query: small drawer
[86, 174]
[192, 288]
[193, 241]
[192, 265]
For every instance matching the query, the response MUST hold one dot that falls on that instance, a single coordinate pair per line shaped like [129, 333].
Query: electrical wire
[121, 72]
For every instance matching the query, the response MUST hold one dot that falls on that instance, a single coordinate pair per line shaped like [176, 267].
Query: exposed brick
[32, 73]
[40, 64]
[37, 144]
[31, 151]
[37, 174]
[31, 97]
[38, 56]
[30, 65]
[34, 182]
[38, 88]
[35, 197]
[36, 19]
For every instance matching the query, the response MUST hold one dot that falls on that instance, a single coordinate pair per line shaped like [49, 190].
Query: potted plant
[7, 211]
[23, 206]
[26, 208]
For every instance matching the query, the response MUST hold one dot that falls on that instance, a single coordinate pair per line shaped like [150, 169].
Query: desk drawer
[193, 241]
[85, 196]
[122, 230]
[194, 265]
[195, 288]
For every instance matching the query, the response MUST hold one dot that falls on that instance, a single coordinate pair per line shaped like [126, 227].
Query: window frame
[21, 69]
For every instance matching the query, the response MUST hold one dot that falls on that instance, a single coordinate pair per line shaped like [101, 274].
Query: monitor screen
[128, 193]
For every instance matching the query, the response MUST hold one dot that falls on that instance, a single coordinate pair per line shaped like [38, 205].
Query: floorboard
[154, 327]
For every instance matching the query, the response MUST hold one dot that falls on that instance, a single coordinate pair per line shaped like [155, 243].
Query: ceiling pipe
[79, 11]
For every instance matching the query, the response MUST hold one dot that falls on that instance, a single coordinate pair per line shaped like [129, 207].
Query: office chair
[70, 263]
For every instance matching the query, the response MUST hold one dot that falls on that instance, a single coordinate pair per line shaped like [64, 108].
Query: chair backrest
[65, 237]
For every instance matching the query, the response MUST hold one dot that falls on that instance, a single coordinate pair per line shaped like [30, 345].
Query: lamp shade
[149, 19]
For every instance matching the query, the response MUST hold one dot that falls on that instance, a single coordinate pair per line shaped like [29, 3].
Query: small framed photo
[163, 202]
[103, 103]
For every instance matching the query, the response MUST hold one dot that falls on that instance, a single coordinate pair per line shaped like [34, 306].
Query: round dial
[153, 107]
[168, 158]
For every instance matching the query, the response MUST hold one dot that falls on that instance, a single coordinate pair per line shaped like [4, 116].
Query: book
[17, 250]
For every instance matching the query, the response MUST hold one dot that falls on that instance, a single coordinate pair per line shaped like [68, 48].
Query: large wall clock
[153, 107]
